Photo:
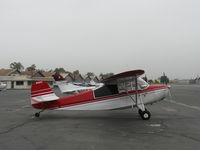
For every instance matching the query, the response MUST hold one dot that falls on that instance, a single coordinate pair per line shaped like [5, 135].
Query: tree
[156, 81]
[41, 70]
[76, 72]
[31, 68]
[90, 74]
[164, 79]
[107, 75]
[17, 65]
[59, 70]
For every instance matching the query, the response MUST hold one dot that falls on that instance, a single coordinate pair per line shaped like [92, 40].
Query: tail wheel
[37, 115]
[145, 115]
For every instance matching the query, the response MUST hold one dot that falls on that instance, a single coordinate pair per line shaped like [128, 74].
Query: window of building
[19, 82]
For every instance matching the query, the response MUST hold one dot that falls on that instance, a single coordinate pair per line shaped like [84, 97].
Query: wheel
[145, 115]
[37, 115]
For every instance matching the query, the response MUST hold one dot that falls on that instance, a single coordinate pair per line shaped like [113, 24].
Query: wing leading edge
[132, 73]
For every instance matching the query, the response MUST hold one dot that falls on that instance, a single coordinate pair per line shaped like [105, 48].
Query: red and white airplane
[123, 90]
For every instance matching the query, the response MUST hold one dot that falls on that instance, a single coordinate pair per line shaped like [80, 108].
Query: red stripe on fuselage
[88, 97]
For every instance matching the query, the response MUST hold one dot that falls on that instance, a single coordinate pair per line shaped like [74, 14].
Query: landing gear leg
[139, 111]
[142, 111]
[37, 115]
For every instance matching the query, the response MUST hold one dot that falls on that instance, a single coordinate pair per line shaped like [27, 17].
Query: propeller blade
[169, 93]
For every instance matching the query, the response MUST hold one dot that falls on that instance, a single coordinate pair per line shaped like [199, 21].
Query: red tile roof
[47, 74]
[30, 73]
[76, 76]
[6, 72]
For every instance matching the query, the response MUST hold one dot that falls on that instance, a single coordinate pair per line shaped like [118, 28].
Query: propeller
[169, 96]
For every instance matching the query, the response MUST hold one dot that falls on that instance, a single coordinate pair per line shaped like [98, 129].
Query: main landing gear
[37, 115]
[142, 111]
[145, 115]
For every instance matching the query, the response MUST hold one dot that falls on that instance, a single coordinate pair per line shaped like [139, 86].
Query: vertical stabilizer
[41, 92]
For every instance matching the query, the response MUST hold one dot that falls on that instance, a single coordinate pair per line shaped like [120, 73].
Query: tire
[145, 115]
[37, 115]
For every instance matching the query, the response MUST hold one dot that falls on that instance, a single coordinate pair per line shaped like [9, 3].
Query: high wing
[123, 75]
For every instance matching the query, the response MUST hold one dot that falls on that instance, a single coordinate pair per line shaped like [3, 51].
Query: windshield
[129, 85]
[142, 84]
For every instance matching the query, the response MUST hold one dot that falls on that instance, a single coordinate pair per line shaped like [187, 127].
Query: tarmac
[174, 124]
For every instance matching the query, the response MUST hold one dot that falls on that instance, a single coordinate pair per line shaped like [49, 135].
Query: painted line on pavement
[183, 104]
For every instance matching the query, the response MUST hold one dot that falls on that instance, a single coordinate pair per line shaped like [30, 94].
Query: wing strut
[136, 88]
[139, 102]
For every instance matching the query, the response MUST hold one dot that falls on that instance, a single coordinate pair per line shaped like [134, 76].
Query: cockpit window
[142, 84]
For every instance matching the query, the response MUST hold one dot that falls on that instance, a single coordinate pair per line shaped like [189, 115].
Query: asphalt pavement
[174, 124]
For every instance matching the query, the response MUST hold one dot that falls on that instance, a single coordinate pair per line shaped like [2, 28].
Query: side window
[126, 86]
[121, 87]
[106, 90]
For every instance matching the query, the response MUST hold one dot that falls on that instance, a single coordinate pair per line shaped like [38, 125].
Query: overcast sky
[103, 35]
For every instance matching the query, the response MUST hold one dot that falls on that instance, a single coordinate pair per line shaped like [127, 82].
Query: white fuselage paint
[120, 102]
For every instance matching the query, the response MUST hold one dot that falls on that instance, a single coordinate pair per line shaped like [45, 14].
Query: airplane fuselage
[89, 101]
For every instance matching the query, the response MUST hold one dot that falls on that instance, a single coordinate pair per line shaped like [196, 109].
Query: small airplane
[2, 86]
[120, 91]
[71, 87]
